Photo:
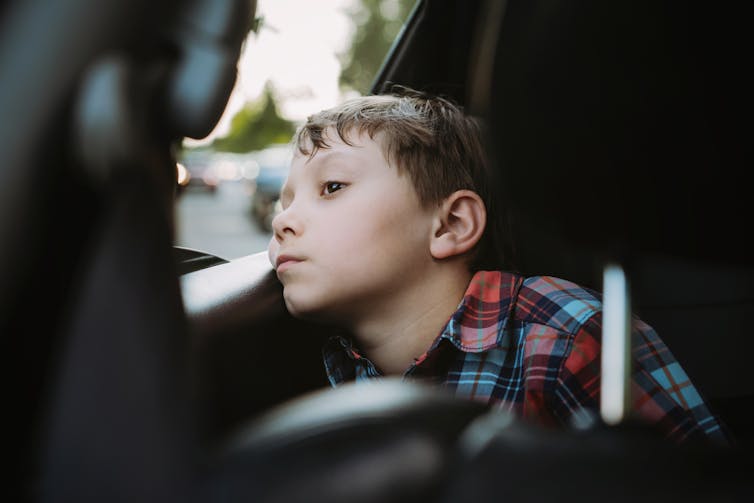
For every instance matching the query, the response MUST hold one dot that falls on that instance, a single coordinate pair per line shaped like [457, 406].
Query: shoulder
[556, 303]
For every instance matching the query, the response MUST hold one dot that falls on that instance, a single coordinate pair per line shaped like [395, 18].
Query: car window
[290, 67]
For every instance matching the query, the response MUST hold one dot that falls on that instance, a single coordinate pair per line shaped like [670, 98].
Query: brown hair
[431, 139]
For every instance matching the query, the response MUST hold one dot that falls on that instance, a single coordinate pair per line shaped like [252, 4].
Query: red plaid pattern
[532, 346]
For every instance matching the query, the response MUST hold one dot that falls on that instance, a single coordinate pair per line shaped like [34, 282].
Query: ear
[459, 224]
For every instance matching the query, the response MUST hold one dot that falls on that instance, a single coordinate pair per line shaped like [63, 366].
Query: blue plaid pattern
[531, 346]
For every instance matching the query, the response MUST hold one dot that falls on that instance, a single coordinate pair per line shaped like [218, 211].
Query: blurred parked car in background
[196, 170]
[274, 163]
[206, 169]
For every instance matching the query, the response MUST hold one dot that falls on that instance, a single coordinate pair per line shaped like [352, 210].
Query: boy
[385, 232]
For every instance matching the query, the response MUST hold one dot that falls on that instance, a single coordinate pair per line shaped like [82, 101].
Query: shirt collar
[479, 322]
[477, 325]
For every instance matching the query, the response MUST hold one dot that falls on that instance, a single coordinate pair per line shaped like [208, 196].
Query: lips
[285, 262]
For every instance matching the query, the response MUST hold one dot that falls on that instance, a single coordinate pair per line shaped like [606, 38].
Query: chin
[304, 310]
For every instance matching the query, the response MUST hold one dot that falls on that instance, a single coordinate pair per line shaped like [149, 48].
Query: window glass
[300, 57]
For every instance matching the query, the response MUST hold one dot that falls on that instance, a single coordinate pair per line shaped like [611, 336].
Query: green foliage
[256, 126]
[377, 24]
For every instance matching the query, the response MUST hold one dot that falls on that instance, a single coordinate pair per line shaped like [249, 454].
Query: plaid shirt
[532, 346]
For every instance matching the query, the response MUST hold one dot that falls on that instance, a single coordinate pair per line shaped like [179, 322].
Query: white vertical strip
[616, 340]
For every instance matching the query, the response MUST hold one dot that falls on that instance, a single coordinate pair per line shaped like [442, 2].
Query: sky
[296, 50]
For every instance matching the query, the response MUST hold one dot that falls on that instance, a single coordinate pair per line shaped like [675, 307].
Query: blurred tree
[256, 126]
[377, 24]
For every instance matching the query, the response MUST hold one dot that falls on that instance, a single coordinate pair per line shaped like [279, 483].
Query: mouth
[285, 262]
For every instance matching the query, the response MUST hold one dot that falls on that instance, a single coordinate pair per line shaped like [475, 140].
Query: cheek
[361, 231]
[381, 233]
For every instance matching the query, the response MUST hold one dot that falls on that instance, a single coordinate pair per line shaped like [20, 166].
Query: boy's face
[352, 234]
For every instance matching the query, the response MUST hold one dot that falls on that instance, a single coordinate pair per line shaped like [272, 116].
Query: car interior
[619, 133]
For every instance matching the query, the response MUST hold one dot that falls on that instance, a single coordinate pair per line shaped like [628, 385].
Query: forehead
[357, 146]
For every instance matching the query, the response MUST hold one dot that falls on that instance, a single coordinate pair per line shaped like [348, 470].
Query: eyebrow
[325, 154]
[332, 160]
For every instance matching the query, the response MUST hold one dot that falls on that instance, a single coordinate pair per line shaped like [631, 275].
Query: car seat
[621, 133]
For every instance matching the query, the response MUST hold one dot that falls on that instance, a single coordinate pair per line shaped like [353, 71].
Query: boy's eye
[331, 187]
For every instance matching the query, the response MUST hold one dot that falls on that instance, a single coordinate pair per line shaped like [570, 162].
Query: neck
[405, 328]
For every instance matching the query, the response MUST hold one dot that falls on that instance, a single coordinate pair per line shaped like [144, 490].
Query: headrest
[625, 127]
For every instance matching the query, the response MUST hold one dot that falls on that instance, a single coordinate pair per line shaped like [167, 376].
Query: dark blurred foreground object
[513, 461]
[95, 95]
[360, 442]
[395, 441]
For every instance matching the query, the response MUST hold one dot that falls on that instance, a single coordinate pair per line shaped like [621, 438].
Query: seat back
[621, 131]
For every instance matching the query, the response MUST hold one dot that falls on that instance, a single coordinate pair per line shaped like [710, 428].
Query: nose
[286, 223]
